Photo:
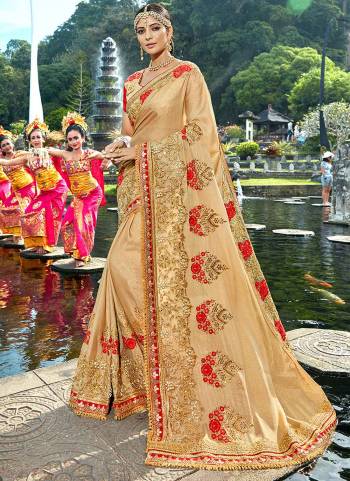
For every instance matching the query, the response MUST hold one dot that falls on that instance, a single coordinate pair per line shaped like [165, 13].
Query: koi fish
[329, 295]
[317, 282]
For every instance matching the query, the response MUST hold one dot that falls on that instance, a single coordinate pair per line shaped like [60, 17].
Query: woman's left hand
[122, 155]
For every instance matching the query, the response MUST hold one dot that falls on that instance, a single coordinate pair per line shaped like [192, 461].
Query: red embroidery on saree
[156, 397]
[211, 316]
[180, 70]
[226, 425]
[110, 346]
[280, 328]
[206, 267]
[87, 337]
[199, 174]
[203, 220]
[131, 342]
[246, 249]
[262, 288]
[144, 96]
[134, 76]
[120, 177]
[218, 369]
[184, 133]
[230, 209]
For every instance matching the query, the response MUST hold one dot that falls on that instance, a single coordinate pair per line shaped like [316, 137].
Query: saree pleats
[184, 323]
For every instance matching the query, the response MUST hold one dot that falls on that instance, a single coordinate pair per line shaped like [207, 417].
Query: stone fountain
[340, 210]
[107, 106]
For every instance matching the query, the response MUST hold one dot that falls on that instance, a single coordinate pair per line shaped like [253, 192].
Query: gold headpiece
[5, 132]
[157, 16]
[36, 125]
[73, 118]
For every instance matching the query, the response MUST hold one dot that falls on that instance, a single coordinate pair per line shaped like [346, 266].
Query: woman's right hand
[110, 148]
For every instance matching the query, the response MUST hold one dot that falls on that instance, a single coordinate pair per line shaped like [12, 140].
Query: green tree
[18, 53]
[305, 93]
[54, 118]
[271, 76]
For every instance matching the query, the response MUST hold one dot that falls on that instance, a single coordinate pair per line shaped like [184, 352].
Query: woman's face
[6, 146]
[36, 139]
[153, 37]
[75, 139]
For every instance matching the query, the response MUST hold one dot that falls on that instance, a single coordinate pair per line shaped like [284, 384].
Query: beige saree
[184, 324]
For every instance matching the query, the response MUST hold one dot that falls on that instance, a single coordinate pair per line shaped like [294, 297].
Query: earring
[141, 53]
[171, 46]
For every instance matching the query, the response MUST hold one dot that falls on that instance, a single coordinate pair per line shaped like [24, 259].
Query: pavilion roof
[272, 116]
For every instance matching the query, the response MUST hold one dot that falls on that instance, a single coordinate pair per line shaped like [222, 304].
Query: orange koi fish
[317, 282]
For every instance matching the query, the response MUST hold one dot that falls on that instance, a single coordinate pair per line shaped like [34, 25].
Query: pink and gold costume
[23, 191]
[79, 223]
[41, 222]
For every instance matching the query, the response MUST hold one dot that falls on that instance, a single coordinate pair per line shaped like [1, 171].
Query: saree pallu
[201, 347]
[79, 222]
[41, 222]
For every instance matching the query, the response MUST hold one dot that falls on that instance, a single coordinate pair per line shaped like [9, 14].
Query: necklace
[154, 68]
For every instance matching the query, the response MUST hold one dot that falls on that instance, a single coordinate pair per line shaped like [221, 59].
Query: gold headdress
[36, 125]
[5, 132]
[149, 13]
[73, 118]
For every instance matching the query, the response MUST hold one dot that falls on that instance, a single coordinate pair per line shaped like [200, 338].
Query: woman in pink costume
[23, 189]
[6, 192]
[85, 179]
[41, 222]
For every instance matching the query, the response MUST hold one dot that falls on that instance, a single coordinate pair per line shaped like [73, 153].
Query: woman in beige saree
[184, 325]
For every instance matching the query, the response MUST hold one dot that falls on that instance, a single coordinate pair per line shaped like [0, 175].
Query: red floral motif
[194, 217]
[120, 177]
[180, 70]
[230, 209]
[280, 329]
[199, 174]
[110, 345]
[184, 133]
[87, 337]
[246, 249]
[134, 76]
[218, 432]
[262, 288]
[206, 267]
[211, 316]
[144, 96]
[131, 342]
[208, 373]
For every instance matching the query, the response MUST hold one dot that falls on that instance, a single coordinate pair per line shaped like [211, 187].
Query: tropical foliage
[226, 44]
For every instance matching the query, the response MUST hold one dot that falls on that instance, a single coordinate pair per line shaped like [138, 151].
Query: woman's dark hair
[155, 7]
[79, 129]
[4, 137]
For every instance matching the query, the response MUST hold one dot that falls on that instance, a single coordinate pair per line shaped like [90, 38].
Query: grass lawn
[110, 189]
[252, 182]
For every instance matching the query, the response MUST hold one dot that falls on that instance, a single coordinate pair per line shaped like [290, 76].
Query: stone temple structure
[340, 210]
[107, 106]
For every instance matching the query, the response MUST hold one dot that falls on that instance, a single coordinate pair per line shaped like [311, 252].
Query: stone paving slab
[324, 350]
[42, 440]
[18, 383]
[57, 373]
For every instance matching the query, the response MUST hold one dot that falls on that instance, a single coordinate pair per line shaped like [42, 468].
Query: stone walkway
[42, 440]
